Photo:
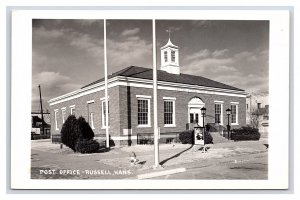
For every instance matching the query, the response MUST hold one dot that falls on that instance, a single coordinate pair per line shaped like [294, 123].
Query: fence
[56, 138]
[38, 136]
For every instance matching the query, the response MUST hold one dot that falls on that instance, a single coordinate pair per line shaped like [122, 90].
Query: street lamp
[228, 112]
[203, 112]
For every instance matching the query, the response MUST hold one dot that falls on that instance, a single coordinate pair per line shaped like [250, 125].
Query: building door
[195, 116]
[194, 111]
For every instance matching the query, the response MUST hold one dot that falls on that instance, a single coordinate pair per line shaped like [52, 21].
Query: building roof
[36, 119]
[169, 44]
[146, 73]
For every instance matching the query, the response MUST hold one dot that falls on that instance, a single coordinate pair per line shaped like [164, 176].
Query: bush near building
[87, 146]
[85, 131]
[245, 133]
[70, 132]
[187, 137]
[78, 135]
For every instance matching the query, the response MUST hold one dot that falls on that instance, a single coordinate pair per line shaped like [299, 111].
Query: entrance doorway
[194, 110]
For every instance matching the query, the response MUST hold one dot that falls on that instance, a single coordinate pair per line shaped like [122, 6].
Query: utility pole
[106, 87]
[155, 121]
[42, 114]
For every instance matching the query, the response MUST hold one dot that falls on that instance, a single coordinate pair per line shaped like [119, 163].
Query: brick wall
[123, 111]
[82, 109]
[128, 106]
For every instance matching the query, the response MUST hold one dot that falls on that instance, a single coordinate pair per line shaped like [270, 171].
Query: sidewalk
[46, 154]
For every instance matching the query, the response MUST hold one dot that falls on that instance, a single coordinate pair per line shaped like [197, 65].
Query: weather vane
[169, 31]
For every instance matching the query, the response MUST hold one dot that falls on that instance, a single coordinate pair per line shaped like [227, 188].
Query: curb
[161, 173]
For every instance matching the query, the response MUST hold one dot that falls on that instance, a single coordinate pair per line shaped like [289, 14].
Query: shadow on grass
[175, 156]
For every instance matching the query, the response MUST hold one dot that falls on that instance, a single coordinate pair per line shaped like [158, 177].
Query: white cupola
[170, 58]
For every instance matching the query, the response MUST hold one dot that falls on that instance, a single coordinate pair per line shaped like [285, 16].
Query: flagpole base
[155, 167]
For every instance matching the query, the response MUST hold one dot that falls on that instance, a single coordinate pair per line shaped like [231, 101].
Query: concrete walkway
[46, 155]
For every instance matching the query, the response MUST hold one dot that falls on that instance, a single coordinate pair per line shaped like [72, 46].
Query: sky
[68, 54]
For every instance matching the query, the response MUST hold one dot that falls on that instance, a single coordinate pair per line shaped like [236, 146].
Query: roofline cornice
[112, 82]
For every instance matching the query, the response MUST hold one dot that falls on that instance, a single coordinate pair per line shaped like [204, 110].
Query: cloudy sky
[67, 54]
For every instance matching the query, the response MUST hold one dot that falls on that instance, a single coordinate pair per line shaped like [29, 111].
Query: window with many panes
[169, 113]
[104, 114]
[92, 120]
[72, 110]
[234, 114]
[166, 56]
[143, 112]
[173, 56]
[55, 119]
[63, 114]
[218, 113]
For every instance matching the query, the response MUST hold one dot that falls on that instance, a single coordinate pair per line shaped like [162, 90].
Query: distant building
[37, 124]
[257, 109]
[130, 99]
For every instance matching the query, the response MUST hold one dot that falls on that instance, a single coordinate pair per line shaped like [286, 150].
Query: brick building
[130, 102]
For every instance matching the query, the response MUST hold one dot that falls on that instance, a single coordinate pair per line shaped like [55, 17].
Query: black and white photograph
[150, 99]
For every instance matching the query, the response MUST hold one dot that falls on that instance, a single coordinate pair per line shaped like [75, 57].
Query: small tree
[78, 135]
[85, 130]
[70, 132]
[254, 119]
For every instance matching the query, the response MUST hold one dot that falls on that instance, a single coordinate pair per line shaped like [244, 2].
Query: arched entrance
[194, 110]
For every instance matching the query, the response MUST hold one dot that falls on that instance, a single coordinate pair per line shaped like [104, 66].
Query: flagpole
[155, 121]
[106, 88]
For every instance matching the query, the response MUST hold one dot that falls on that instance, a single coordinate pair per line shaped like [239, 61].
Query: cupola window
[173, 56]
[166, 56]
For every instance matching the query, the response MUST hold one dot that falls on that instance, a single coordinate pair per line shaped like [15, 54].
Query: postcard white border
[279, 99]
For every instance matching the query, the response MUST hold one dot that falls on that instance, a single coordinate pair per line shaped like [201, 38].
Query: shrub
[85, 131]
[70, 132]
[75, 131]
[187, 137]
[208, 138]
[245, 133]
[87, 146]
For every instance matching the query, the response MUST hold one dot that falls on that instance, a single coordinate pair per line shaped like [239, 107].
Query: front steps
[217, 138]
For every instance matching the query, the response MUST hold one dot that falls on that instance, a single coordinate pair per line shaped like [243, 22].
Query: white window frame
[237, 112]
[147, 98]
[55, 119]
[90, 101]
[172, 51]
[63, 114]
[172, 99]
[71, 109]
[166, 56]
[222, 113]
[103, 125]
[91, 123]
[92, 120]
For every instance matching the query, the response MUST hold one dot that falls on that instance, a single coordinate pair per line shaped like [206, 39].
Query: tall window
[104, 113]
[166, 56]
[55, 119]
[72, 109]
[90, 108]
[234, 114]
[169, 112]
[92, 120]
[143, 112]
[63, 114]
[218, 112]
[173, 56]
